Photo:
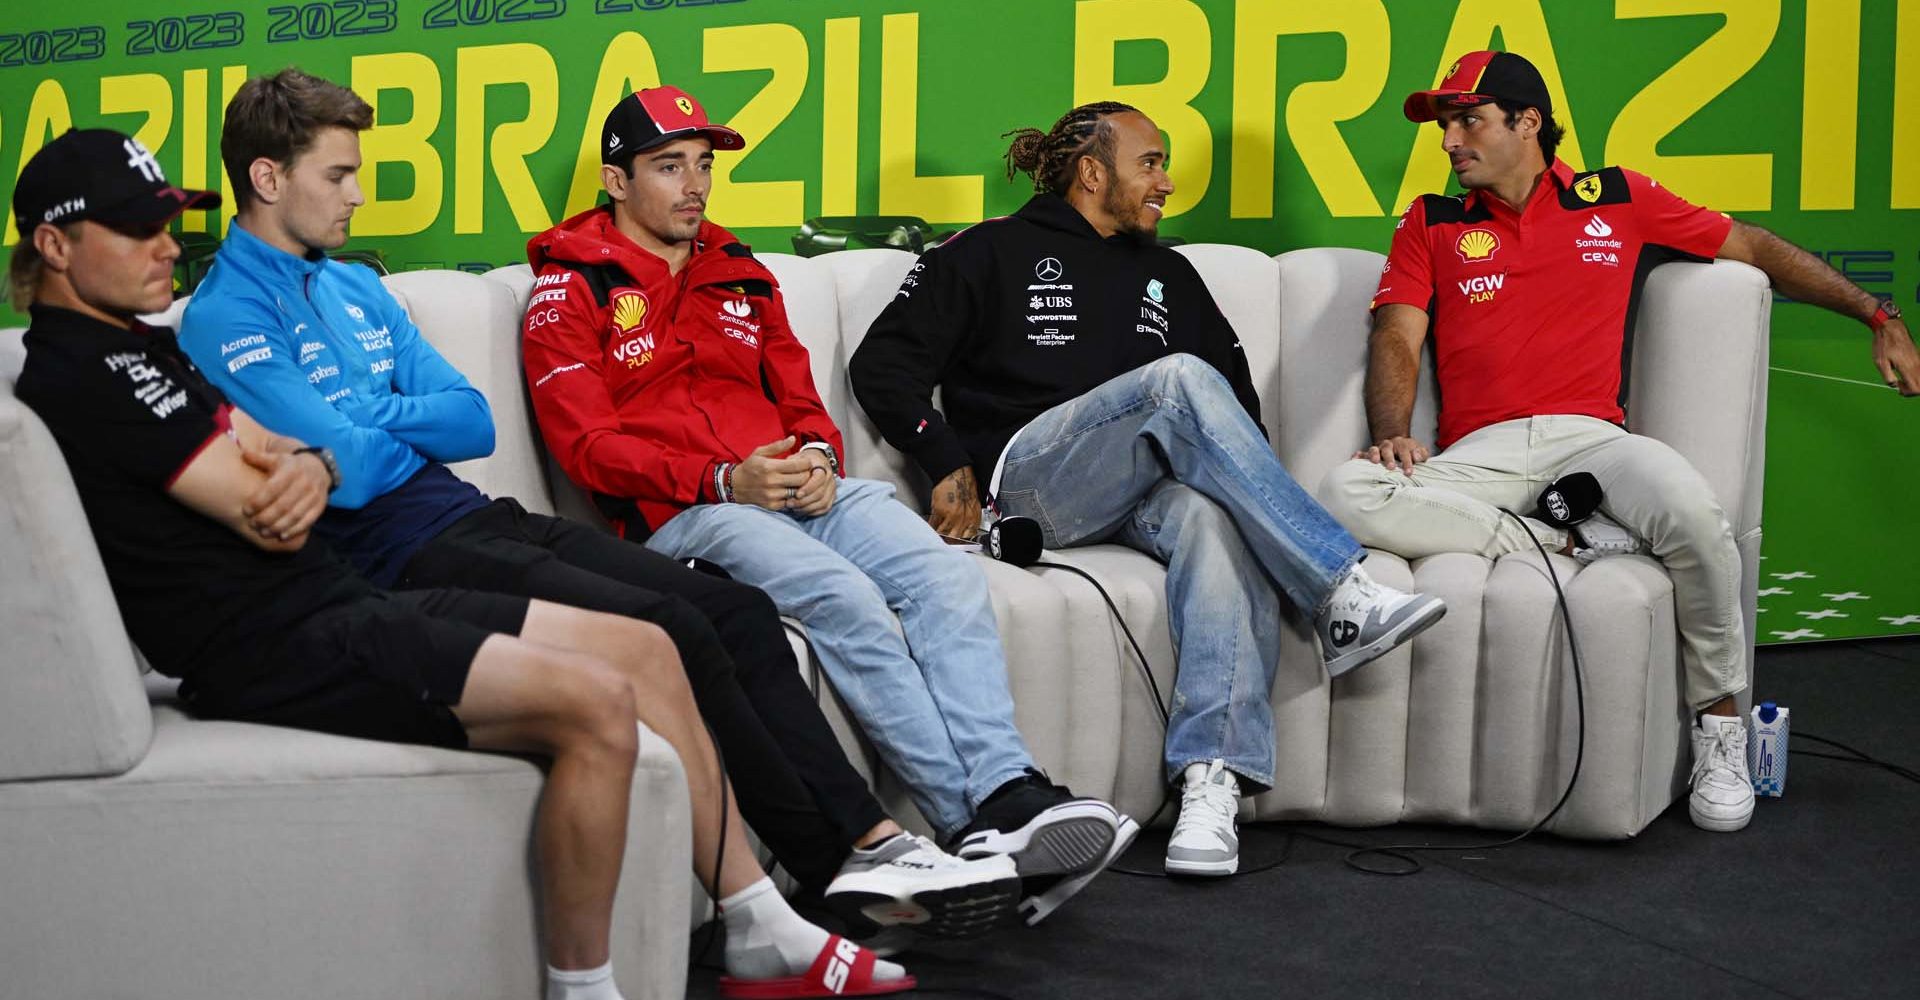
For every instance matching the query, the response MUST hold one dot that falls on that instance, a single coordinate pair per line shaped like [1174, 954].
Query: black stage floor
[1818, 898]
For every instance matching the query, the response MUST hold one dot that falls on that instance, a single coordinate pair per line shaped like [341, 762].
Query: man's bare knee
[596, 705]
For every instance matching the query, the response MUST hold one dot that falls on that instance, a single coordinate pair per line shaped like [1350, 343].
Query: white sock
[767, 940]
[582, 984]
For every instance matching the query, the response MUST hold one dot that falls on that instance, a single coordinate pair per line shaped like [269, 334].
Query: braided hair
[1050, 157]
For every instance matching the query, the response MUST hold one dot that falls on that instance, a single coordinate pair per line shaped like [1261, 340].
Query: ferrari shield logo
[1588, 188]
[685, 106]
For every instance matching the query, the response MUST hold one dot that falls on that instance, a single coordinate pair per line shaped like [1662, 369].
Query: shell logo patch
[1588, 188]
[1477, 245]
[629, 309]
[685, 106]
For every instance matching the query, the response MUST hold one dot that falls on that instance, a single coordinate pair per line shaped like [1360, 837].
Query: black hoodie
[1017, 315]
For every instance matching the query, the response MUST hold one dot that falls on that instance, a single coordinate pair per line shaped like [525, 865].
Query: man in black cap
[274, 326]
[202, 519]
[1528, 284]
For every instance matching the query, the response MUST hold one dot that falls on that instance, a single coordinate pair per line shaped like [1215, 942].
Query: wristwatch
[325, 455]
[1888, 310]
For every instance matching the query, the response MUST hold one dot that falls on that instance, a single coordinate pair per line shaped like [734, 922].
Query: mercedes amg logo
[1048, 269]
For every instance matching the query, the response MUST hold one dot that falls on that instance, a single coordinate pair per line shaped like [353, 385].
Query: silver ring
[792, 492]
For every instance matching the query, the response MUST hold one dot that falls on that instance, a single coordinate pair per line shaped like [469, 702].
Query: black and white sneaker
[906, 881]
[1364, 619]
[1058, 841]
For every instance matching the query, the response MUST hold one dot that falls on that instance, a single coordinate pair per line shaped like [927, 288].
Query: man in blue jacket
[319, 350]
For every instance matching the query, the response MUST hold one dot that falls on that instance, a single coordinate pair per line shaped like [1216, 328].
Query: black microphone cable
[1404, 852]
[1166, 717]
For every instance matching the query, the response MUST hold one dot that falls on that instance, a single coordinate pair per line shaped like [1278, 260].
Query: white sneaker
[906, 880]
[1600, 536]
[1722, 799]
[1364, 619]
[1204, 840]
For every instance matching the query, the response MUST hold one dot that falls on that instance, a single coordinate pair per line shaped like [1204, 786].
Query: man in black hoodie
[1091, 383]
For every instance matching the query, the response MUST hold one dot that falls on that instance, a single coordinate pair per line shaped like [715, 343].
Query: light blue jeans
[1164, 460]
[934, 700]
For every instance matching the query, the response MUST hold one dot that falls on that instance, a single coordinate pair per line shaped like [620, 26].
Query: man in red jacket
[668, 382]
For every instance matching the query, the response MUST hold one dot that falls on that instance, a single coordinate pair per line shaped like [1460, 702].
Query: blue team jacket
[319, 350]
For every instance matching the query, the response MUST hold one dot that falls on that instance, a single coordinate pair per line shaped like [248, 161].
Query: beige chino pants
[1452, 503]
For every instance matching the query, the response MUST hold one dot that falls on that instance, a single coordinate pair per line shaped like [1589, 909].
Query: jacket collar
[1050, 211]
[592, 238]
[1559, 178]
[272, 265]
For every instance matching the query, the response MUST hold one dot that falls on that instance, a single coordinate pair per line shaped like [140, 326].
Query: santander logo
[737, 308]
[1597, 228]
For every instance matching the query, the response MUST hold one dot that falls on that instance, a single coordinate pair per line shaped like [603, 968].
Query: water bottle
[1767, 750]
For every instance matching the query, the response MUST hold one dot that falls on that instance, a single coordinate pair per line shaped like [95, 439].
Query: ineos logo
[1048, 269]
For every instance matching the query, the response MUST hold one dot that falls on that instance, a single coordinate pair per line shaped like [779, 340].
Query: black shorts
[387, 666]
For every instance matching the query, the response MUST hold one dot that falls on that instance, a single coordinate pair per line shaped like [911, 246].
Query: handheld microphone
[1015, 540]
[1569, 500]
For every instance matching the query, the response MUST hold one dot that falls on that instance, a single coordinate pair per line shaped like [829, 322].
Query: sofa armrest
[1699, 376]
[71, 700]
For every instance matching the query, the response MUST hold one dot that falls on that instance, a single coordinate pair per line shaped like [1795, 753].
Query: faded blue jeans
[933, 700]
[1164, 460]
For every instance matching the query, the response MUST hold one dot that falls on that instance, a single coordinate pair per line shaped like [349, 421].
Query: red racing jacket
[643, 381]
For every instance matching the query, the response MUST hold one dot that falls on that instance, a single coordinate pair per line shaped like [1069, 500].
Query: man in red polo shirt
[1529, 284]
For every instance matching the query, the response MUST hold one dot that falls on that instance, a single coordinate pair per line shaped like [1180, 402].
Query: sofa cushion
[475, 324]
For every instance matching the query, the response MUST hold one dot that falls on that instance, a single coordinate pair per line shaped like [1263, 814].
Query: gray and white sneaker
[1600, 536]
[906, 881]
[1204, 840]
[1364, 619]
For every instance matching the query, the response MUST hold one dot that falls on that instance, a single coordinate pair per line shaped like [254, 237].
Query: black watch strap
[325, 455]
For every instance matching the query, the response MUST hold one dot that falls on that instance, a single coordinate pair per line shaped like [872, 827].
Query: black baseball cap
[657, 115]
[1482, 78]
[103, 175]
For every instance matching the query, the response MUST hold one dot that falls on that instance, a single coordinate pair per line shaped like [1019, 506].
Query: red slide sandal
[843, 969]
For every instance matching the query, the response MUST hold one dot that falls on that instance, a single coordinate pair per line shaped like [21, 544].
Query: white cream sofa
[145, 854]
[355, 869]
[1473, 724]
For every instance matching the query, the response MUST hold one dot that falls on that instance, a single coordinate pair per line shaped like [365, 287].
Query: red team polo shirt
[1532, 313]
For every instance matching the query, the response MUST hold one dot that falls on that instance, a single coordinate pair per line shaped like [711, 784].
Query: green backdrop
[1282, 117]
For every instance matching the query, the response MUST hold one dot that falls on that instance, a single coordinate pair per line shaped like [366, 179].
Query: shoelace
[1360, 591]
[1717, 756]
[1201, 798]
[926, 847]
